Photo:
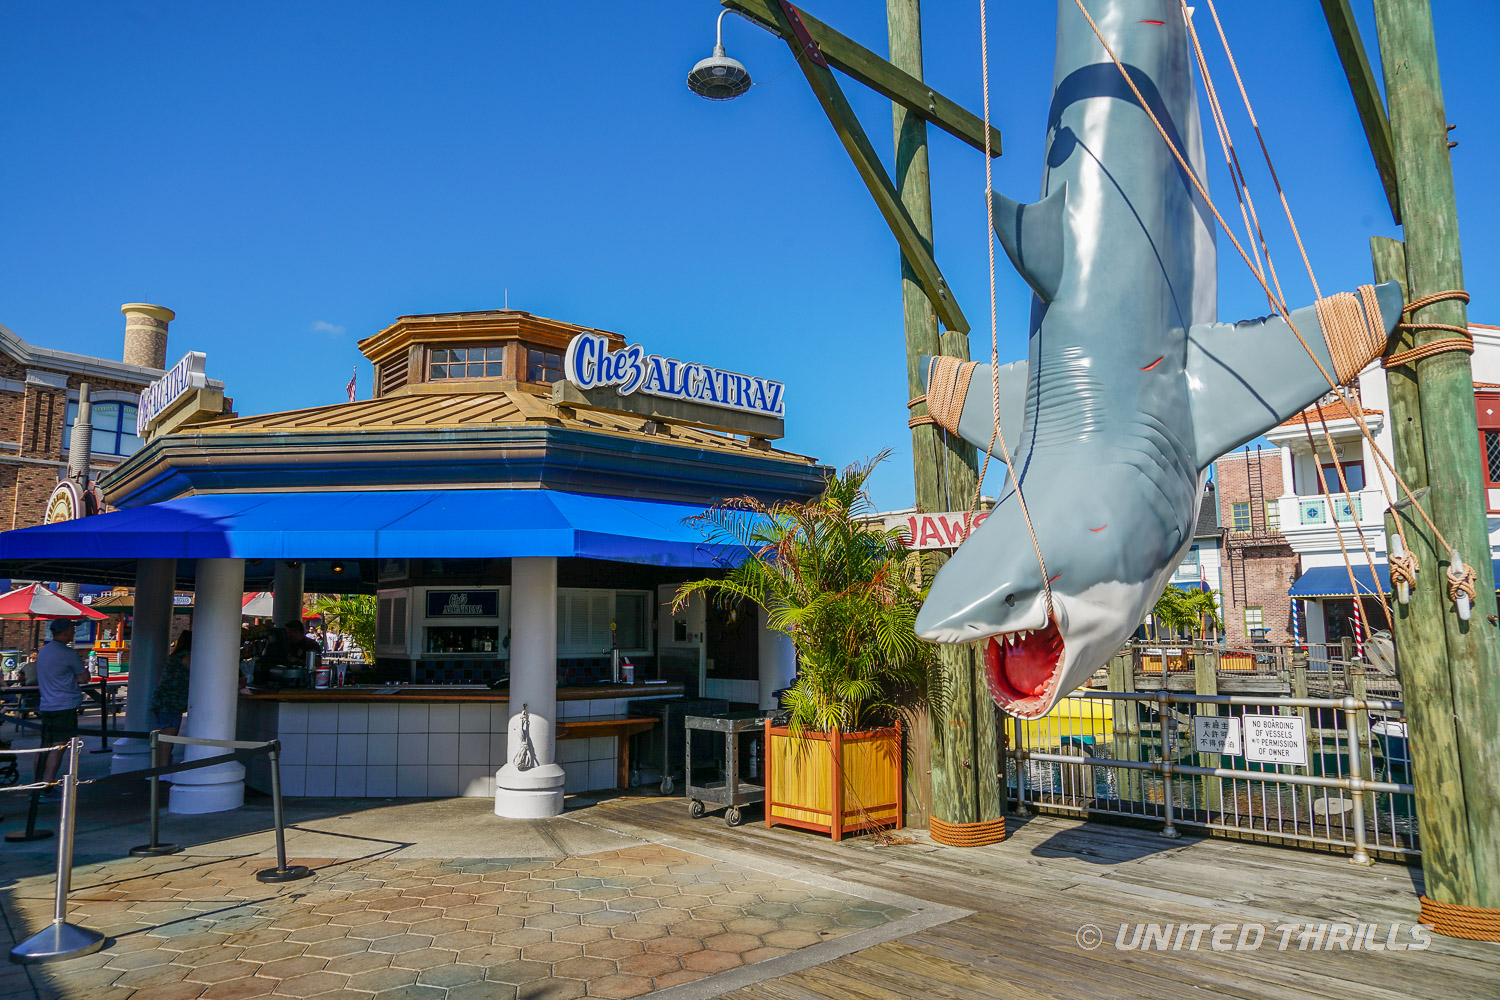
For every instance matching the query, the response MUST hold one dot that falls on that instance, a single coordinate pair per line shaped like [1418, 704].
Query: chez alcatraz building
[514, 494]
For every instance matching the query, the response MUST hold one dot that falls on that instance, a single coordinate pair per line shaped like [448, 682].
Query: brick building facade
[1259, 565]
[38, 402]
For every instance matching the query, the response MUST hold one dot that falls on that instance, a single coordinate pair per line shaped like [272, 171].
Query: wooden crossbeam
[844, 54]
[918, 251]
[1351, 49]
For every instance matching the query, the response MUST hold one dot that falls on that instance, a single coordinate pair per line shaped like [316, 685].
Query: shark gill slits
[1054, 579]
[1157, 23]
[1100, 528]
[1153, 364]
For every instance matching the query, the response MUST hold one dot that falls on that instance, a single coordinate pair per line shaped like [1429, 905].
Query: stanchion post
[282, 872]
[60, 939]
[1352, 708]
[103, 712]
[155, 848]
[1164, 716]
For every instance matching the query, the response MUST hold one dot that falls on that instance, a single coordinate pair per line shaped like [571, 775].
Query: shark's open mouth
[1021, 668]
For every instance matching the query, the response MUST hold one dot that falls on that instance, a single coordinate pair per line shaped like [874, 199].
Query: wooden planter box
[834, 783]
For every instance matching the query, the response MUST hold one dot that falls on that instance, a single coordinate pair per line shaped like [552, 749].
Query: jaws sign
[935, 531]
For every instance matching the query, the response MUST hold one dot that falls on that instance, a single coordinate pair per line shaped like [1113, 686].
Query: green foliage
[1191, 611]
[351, 613]
[843, 593]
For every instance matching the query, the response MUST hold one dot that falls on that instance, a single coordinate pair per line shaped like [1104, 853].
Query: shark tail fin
[1034, 238]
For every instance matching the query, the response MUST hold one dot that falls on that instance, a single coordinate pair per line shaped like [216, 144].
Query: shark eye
[1010, 599]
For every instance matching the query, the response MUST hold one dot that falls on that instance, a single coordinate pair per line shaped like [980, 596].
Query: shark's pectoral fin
[1246, 378]
[1035, 238]
[960, 398]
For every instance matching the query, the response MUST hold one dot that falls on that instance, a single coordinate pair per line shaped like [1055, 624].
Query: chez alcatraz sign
[590, 364]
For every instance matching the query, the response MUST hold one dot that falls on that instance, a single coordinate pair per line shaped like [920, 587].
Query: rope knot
[1404, 568]
[1460, 583]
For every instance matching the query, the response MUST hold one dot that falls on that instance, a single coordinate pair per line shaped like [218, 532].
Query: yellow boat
[1072, 720]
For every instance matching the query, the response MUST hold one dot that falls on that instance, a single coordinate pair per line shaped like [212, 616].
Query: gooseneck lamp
[719, 78]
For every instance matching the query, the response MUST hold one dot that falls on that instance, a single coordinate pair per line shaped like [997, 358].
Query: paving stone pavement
[613, 924]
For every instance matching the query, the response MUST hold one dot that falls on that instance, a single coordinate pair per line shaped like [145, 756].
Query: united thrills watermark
[1252, 937]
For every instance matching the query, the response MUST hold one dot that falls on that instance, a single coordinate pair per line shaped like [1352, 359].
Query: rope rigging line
[995, 432]
[1277, 301]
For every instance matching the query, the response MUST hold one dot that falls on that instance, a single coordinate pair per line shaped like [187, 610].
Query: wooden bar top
[455, 693]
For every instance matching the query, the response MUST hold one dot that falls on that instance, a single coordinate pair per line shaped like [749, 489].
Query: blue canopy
[454, 524]
[1333, 581]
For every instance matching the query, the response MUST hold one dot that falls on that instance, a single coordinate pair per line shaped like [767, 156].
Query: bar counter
[412, 740]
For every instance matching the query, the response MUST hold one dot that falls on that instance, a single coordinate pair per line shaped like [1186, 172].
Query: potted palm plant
[843, 592]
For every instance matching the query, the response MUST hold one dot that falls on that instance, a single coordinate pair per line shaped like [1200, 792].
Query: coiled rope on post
[947, 386]
[1477, 923]
[966, 834]
[1464, 342]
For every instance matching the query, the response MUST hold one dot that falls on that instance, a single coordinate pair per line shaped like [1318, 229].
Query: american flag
[350, 387]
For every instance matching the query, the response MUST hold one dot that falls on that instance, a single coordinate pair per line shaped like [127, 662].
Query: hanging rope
[995, 432]
[947, 385]
[526, 756]
[1354, 329]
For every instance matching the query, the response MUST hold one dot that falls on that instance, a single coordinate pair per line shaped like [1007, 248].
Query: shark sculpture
[1131, 389]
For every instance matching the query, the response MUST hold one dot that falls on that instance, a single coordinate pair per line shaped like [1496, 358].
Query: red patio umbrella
[37, 603]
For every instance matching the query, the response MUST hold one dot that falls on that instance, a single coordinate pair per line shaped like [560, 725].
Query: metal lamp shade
[719, 78]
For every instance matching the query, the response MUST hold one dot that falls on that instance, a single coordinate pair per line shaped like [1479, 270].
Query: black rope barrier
[60, 939]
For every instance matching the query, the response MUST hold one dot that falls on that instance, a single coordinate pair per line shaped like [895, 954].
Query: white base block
[130, 755]
[208, 790]
[533, 794]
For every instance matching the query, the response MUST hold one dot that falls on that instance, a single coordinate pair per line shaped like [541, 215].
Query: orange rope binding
[1477, 923]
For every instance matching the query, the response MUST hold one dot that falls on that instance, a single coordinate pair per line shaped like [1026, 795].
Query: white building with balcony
[1322, 529]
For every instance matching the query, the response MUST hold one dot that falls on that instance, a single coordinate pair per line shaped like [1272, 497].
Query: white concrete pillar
[535, 790]
[778, 661]
[155, 581]
[286, 593]
[213, 689]
[1287, 489]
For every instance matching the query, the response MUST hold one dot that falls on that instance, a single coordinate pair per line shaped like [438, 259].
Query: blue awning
[1333, 581]
[453, 524]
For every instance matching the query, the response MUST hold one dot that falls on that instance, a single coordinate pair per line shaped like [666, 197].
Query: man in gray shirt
[59, 672]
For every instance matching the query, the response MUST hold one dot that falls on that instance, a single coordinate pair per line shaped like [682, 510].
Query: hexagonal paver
[649, 965]
[551, 951]
[523, 937]
[286, 968]
[639, 932]
[382, 979]
[220, 972]
[674, 945]
[584, 968]
[517, 972]
[551, 989]
[620, 987]
[233, 989]
[311, 984]
[711, 961]
[451, 975]
[632, 904]
[482, 991]
[607, 918]
[421, 959]
[396, 943]
[790, 939]
[498, 924]
[490, 954]
[364, 961]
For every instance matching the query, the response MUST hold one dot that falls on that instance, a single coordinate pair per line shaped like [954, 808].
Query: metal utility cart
[733, 791]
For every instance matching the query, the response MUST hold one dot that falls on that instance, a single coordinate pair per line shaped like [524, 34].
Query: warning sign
[1216, 734]
[1275, 739]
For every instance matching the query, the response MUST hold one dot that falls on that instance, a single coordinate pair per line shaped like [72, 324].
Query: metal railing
[1190, 760]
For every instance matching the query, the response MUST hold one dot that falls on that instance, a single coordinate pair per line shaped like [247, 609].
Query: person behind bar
[170, 699]
[60, 672]
[286, 646]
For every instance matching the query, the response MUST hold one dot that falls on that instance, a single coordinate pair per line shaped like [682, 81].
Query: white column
[1286, 472]
[213, 689]
[155, 580]
[286, 593]
[536, 790]
[778, 661]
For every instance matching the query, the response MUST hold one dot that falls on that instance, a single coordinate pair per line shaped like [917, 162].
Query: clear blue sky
[292, 177]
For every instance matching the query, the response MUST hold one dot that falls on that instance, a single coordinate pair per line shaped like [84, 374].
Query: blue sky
[292, 177]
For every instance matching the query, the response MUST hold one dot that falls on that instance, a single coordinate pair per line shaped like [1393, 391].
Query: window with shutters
[584, 618]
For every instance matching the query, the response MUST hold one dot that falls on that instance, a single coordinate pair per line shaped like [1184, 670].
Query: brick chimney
[146, 334]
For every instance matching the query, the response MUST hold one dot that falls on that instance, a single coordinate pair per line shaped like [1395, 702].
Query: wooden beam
[1367, 100]
[918, 251]
[848, 56]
